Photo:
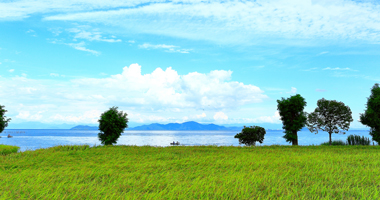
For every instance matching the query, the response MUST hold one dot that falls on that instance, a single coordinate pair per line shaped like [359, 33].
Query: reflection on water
[31, 139]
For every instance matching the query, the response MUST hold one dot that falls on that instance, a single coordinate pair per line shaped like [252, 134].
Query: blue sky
[221, 62]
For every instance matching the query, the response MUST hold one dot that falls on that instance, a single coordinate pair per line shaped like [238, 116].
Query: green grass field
[191, 172]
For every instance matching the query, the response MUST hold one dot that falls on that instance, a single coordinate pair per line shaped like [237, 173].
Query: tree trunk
[330, 138]
[295, 141]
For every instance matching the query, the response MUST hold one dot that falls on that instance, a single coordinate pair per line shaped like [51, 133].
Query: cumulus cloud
[11, 70]
[151, 95]
[202, 115]
[274, 119]
[220, 116]
[293, 90]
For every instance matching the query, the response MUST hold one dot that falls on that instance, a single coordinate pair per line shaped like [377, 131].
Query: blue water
[32, 139]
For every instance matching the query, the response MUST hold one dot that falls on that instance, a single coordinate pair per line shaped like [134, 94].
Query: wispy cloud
[245, 22]
[81, 46]
[337, 68]
[56, 75]
[324, 52]
[91, 36]
[320, 90]
[31, 32]
[168, 48]
[311, 69]
[11, 70]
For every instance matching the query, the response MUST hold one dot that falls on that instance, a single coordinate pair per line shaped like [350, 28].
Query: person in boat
[9, 135]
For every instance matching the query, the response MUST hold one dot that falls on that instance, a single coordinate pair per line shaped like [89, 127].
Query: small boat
[9, 136]
[174, 143]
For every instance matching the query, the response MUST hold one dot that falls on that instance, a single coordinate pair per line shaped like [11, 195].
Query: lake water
[32, 139]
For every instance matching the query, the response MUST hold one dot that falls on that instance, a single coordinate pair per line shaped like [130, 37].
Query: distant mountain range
[172, 126]
[83, 127]
[186, 126]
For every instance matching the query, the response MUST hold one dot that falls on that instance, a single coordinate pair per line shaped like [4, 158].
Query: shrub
[335, 142]
[111, 124]
[357, 140]
[250, 135]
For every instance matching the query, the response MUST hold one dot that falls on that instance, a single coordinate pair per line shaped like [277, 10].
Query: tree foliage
[330, 116]
[250, 135]
[292, 116]
[111, 124]
[371, 116]
[3, 119]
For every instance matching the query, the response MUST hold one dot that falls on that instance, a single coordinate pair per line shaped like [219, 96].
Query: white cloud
[320, 90]
[220, 116]
[11, 70]
[324, 52]
[243, 22]
[81, 46]
[275, 119]
[159, 96]
[293, 90]
[91, 116]
[91, 36]
[54, 74]
[27, 116]
[202, 115]
[131, 41]
[337, 68]
[311, 69]
[168, 48]
[0, 62]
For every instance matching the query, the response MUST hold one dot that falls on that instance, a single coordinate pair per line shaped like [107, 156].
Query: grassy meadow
[191, 172]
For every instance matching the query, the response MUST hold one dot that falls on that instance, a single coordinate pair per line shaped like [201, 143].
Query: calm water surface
[32, 139]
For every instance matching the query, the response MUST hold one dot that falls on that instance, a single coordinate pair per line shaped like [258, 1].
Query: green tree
[371, 116]
[329, 116]
[3, 119]
[292, 116]
[250, 135]
[111, 124]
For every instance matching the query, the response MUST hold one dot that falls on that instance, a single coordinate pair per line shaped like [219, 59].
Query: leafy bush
[111, 124]
[335, 142]
[357, 140]
[250, 135]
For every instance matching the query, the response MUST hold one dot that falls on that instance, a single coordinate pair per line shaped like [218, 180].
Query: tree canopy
[292, 116]
[330, 116]
[3, 119]
[250, 135]
[111, 124]
[371, 116]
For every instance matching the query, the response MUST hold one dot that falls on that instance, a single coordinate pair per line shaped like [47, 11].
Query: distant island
[171, 126]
